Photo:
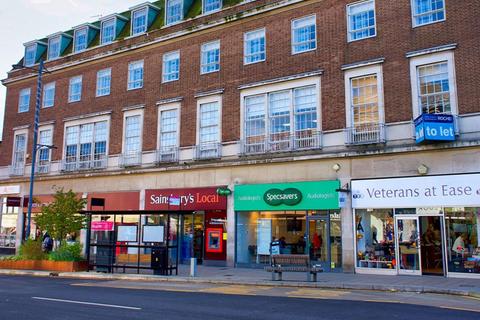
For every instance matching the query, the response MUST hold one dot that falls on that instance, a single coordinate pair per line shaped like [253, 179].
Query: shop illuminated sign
[309, 195]
[185, 199]
[431, 191]
[289, 197]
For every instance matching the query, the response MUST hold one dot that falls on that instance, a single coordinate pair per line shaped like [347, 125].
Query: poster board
[127, 233]
[264, 236]
[153, 233]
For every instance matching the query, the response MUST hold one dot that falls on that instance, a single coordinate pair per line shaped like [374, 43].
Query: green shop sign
[314, 195]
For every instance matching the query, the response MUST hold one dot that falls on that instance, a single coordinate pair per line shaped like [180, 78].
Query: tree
[62, 217]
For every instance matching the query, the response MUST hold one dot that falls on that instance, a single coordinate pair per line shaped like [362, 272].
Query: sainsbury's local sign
[431, 191]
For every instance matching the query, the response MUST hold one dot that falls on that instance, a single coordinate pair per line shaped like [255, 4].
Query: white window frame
[181, 11]
[131, 84]
[277, 87]
[426, 59]
[85, 121]
[114, 22]
[211, 11]
[132, 113]
[366, 71]
[72, 82]
[97, 92]
[32, 47]
[146, 21]
[45, 88]
[292, 33]
[415, 25]
[205, 100]
[18, 133]
[50, 40]
[168, 107]
[45, 128]
[75, 44]
[165, 59]
[349, 31]
[245, 46]
[203, 52]
[20, 95]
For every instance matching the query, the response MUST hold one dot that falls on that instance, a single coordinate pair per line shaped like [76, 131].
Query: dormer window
[108, 31]
[211, 5]
[139, 21]
[30, 55]
[174, 12]
[53, 47]
[81, 39]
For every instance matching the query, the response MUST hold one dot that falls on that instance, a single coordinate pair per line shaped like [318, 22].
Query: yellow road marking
[314, 293]
[459, 309]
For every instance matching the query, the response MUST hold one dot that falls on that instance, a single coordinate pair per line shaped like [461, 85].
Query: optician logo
[276, 197]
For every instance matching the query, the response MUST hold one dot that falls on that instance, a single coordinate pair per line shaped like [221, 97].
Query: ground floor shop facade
[333, 227]
[418, 225]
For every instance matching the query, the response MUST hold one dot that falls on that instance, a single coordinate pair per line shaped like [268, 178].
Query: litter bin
[159, 260]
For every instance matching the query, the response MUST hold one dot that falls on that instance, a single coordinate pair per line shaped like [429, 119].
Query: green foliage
[62, 217]
[195, 9]
[31, 250]
[230, 3]
[67, 252]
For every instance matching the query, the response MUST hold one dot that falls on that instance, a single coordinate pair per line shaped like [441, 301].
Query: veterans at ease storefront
[418, 225]
[303, 216]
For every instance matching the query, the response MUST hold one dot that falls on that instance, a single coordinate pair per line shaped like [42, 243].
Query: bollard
[193, 267]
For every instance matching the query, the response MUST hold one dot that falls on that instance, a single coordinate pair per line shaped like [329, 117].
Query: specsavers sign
[315, 195]
[432, 191]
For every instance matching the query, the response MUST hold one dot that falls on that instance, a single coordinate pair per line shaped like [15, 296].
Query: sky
[26, 20]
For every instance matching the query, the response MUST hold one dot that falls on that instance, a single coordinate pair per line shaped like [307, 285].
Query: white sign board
[9, 189]
[153, 233]
[264, 236]
[431, 191]
[127, 233]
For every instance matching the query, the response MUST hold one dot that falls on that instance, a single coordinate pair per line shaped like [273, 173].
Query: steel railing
[130, 159]
[167, 155]
[369, 133]
[76, 165]
[208, 151]
[282, 143]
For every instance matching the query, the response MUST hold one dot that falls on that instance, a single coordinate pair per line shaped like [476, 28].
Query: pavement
[244, 276]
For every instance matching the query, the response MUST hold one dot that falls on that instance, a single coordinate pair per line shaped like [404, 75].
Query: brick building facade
[385, 42]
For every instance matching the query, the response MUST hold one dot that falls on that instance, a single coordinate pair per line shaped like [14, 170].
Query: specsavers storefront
[418, 225]
[303, 216]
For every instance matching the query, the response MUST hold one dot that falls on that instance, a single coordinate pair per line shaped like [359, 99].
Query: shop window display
[463, 243]
[375, 238]
[256, 230]
[8, 224]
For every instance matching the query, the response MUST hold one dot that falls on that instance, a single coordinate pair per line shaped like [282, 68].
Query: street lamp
[35, 145]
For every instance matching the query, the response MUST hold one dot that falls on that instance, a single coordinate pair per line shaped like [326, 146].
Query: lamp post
[35, 145]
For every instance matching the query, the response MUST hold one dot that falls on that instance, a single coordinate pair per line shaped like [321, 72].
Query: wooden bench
[292, 263]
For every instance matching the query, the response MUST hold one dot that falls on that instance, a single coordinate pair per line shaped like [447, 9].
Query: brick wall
[395, 37]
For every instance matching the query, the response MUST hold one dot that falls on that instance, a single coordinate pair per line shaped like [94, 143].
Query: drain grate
[467, 286]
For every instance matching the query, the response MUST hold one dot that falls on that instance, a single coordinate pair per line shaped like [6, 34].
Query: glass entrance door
[318, 243]
[192, 234]
[431, 228]
[408, 244]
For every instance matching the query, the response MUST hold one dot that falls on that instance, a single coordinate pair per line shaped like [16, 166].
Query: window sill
[356, 40]
[427, 23]
[304, 51]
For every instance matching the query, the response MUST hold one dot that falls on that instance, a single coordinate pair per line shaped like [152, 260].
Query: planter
[44, 265]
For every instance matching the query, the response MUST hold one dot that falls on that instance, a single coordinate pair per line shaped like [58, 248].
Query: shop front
[418, 225]
[202, 221]
[9, 208]
[303, 217]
